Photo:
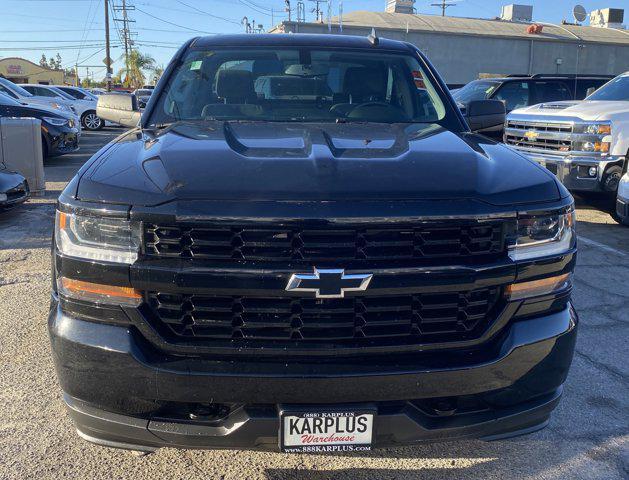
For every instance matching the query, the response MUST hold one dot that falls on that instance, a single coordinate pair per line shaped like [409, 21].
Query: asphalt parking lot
[588, 437]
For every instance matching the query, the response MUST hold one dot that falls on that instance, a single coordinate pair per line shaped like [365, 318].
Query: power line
[50, 41]
[207, 13]
[85, 27]
[59, 48]
[257, 5]
[255, 9]
[169, 23]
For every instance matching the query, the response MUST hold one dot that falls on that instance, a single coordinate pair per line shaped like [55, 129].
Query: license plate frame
[340, 417]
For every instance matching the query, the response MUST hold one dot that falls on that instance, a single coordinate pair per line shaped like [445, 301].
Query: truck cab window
[514, 95]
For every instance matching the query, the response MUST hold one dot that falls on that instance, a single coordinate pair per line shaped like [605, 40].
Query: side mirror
[590, 91]
[485, 115]
[120, 108]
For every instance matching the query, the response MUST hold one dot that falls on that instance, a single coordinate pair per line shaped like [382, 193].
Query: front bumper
[622, 201]
[13, 190]
[65, 141]
[622, 209]
[572, 171]
[121, 392]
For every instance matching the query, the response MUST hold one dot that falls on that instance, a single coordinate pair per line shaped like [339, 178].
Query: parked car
[59, 130]
[302, 274]
[17, 93]
[143, 95]
[520, 91]
[13, 188]
[585, 143]
[622, 199]
[84, 108]
[96, 91]
[77, 92]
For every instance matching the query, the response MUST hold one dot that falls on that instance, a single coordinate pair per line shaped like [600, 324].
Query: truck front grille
[332, 244]
[293, 322]
[539, 136]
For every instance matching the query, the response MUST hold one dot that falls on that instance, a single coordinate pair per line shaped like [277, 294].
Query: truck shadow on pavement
[532, 458]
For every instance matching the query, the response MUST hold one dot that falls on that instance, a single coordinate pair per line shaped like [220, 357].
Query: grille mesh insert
[282, 243]
[351, 321]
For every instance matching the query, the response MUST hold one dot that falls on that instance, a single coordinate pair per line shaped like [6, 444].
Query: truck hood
[583, 110]
[300, 162]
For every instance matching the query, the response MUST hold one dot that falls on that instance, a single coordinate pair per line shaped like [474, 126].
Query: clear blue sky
[75, 28]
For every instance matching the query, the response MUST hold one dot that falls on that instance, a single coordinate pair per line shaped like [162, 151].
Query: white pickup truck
[586, 143]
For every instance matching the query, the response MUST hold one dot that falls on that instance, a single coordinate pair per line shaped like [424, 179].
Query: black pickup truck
[303, 246]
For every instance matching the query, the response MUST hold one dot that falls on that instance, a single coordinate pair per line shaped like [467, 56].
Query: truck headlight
[598, 128]
[593, 137]
[596, 146]
[97, 238]
[544, 235]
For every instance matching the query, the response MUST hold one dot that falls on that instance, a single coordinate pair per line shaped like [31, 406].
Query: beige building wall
[19, 70]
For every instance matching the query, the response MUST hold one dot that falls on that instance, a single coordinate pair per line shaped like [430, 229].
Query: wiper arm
[161, 126]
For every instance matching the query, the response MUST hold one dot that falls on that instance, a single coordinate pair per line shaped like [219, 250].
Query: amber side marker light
[518, 291]
[98, 293]
[63, 221]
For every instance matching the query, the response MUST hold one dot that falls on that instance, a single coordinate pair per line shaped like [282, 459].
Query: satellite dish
[579, 13]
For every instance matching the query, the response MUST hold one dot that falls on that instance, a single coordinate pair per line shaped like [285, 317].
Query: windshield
[144, 92]
[5, 100]
[311, 85]
[62, 94]
[476, 90]
[616, 89]
[16, 89]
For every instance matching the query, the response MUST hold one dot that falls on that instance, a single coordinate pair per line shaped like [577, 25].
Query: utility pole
[125, 33]
[287, 9]
[329, 16]
[301, 12]
[107, 46]
[317, 10]
[443, 5]
[126, 30]
[341, 16]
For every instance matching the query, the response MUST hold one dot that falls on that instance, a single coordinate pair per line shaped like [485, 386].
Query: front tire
[92, 122]
[611, 179]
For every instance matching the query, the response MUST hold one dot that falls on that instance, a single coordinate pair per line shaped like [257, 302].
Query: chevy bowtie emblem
[531, 135]
[331, 283]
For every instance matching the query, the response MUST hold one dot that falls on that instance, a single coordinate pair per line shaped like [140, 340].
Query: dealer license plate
[326, 431]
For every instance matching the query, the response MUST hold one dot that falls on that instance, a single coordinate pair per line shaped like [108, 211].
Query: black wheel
[611, 179]
[91, 121]
[44, 148]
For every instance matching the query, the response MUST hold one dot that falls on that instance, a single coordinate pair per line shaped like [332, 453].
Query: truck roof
[297, 40]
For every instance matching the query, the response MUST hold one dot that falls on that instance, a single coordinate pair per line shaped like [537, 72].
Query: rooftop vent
[517, 13]
[400, 6]
[607, 18]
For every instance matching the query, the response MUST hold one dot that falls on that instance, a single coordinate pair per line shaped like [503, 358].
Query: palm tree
[158, 71]
[134, 71]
